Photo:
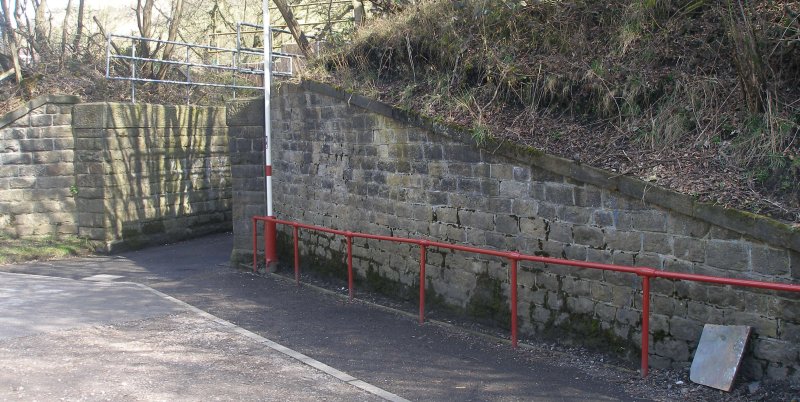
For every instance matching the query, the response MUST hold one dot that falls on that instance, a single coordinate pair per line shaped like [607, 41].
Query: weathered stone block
[690, 249]
[623, 240]
[730, 255]
[562, 194]
[672, 348]
[576, 215]
[770, 261]
[684, 329]
[560, 232]
[507, 224]
[657, 243]
[775, 350]
[588, 235]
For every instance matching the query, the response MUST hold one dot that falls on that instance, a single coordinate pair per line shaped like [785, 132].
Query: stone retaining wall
[150, 173]
[348, 162]
[119, 174]
[36, 171]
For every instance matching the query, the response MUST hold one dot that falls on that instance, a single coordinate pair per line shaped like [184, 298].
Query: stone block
[41, 120]
[524, 207]
[704, 313]
[579, 305]
[728, 255]
[588, 196]
[36, 145]
[92, 115]
[501, 171]
[507, 224]
[672, 348]
[657, 242]
[522, 173]
[576, 215]
[535, 227]
[650, 260]
[775, 351]
[588, 235]
[673, 265]
[560, 232]
[603, 218]
[770, 261]
[690, 249]
[684, 329]
[623, 240]
[762, 325]
[575, 252]
[683, 225]
[513, 189]
[477, 219]
[559, 193]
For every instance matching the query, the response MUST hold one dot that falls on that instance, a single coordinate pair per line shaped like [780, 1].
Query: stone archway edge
[759, 227]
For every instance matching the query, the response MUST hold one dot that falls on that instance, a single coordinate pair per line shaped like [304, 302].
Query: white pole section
[267, 118]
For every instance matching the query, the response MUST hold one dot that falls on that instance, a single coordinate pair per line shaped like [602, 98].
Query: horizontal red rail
[514, 258]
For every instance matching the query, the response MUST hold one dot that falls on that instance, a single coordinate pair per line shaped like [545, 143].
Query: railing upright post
[645, 325]
[514, 341]
[296, 255]
[422, 254]
[350, 265]
[255, 243]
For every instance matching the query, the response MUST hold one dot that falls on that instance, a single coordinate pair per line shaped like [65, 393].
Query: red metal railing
[513, 257]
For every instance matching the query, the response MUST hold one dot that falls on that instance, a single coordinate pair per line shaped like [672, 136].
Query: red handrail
[643, 272]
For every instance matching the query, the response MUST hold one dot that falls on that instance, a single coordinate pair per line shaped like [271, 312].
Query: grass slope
[699, 96]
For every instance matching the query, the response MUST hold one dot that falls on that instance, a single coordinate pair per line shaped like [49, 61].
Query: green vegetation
[17, 250]
[702, 96]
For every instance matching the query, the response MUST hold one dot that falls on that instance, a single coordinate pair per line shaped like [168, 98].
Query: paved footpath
[176, 323]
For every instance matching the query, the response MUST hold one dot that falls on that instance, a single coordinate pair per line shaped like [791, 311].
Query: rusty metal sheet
[719, 355]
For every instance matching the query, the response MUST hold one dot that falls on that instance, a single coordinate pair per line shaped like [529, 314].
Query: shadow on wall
[151, 173]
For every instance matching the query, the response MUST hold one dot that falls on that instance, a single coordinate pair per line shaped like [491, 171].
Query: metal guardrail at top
[234, 67]
[514, 258]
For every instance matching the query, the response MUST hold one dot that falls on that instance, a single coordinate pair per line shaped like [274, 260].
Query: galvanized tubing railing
[645, 273]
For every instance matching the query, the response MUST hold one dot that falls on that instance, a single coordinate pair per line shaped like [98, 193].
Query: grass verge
[18, 250]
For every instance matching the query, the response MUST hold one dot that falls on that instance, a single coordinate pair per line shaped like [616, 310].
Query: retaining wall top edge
[35, 103]
[763, 228]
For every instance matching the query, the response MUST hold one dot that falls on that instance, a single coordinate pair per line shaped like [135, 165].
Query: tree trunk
[64, 34]
[76, 45]
[293, 26]
[144, 18]
[177, 11]
[359, 14]
[12, 40]
[40, 33]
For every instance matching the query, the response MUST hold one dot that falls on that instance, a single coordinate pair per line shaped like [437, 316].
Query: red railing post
[255, 243]
[350, 264]
[296, 255]
[645, 325]
[270, 243]
[423, 246]
[514, 342]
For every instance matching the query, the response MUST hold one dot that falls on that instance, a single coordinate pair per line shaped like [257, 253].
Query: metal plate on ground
[719, 355]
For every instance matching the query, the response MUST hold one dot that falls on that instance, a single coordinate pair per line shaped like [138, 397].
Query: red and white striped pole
[270, 252]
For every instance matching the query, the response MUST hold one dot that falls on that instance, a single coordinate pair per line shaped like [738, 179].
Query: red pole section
[645, 325]
[350, 264]
[270, 249]
[296, 255]
[255, 242]
[514, 343]
[422, 252]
